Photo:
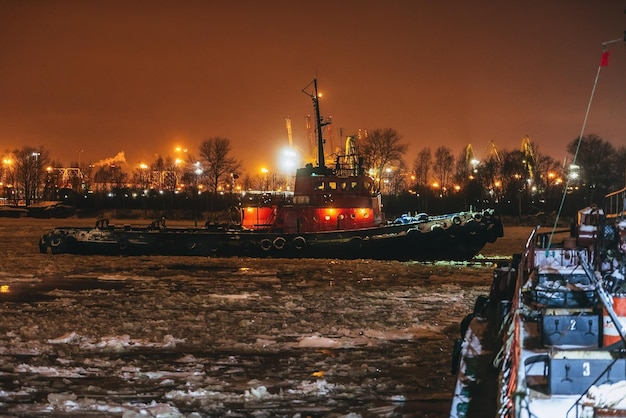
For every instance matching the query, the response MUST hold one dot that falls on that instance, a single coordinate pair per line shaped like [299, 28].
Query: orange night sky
[143, 77]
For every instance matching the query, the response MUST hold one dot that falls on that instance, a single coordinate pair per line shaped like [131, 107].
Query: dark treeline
[517, 182]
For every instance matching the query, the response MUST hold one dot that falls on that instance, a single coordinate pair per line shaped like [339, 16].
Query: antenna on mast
[319, 123]
[289, 133]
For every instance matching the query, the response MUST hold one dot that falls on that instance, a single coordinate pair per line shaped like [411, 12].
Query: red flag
[604, 61]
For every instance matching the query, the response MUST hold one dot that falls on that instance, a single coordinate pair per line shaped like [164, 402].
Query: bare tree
[489, 173]
[422, 167]
[158, 167]
[247, 182]
[514, 176]
[467, 177]
[162, 175]
[169, 174]
[548, 175]
[30, 172]
[109, 177]
[382, 149]
[220, 166]
[443, 166]
[394, 181]
[598, 161]
[464, 168]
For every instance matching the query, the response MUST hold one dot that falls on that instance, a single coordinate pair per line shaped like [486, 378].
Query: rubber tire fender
[266, 244]
[279, 243]
[299, 243]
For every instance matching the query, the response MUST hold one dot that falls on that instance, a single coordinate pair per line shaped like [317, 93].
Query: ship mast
[319, 124]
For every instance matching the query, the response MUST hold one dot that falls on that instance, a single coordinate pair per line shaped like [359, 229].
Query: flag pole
[604, 61]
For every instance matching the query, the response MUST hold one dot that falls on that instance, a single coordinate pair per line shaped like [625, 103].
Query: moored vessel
[334, 212]
[550, 338]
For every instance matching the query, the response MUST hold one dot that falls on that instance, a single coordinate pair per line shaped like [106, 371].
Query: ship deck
[561, 352]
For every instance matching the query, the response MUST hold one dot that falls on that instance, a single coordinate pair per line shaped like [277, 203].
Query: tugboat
[334, 212]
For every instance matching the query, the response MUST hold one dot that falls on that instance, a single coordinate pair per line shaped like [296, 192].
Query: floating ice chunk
[241, 296]
[181, 395]
[69, 338]
[115, 344]
[317, 387]
[264, 342]
[157, 410]
[188, 358]
[163, 410]
[121, 343]
[317, 341]
[62, 399]
[170, 342]
[258, 393]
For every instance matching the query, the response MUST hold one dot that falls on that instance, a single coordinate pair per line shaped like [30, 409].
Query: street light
[198, 172]
[288, 164]
[143, 179]
[7, 178]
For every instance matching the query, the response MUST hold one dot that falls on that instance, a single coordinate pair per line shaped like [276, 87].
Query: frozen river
[85, 336]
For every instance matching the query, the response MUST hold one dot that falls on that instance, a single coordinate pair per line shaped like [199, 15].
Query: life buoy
[266, 244]
[299, 243]
[279, 243]
[56, 241]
